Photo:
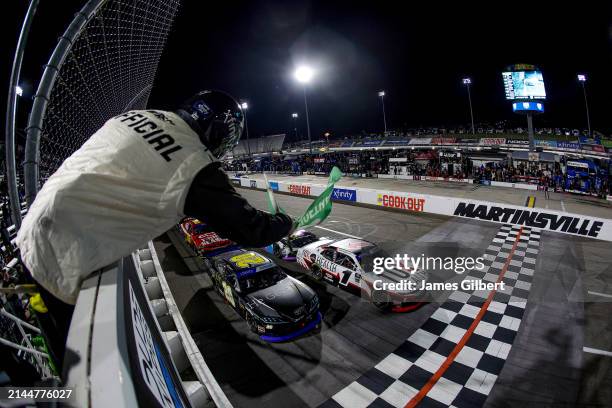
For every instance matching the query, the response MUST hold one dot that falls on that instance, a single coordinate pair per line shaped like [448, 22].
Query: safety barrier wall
[549, 220]
[129, 346]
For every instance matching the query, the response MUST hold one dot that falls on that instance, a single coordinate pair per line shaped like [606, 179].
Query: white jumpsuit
[126, 185]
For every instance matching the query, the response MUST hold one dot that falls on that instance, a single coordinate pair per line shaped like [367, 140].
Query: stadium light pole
[381, 94]
[244, 107]
[582, 79]
[294, 115]
[303, 74]
[467, 82]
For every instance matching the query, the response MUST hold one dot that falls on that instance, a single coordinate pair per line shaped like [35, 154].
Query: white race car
[340, 263]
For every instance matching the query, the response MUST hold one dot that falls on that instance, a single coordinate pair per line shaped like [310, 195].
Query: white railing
[128, 344]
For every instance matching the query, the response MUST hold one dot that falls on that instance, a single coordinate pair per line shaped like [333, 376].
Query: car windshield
[302, 241]
[366, 257]
[261, 280]
[200, 229]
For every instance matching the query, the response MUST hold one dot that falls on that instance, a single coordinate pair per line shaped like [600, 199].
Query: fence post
[11, 112]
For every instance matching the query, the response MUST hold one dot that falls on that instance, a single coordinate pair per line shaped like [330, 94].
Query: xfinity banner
[344, 194]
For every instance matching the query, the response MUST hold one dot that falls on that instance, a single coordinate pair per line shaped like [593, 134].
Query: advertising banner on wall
[156, 382]
[552, 144]
[578, 164]
[568, 145]
[396, 142]
[593, 148]
[537, 218]
[545, 219]
[420, 141]
[369, 143]
[344, 194]
[517, 142]
[443, 140]
[492, 141]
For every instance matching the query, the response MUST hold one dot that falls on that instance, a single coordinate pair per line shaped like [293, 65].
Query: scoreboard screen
[524, 85]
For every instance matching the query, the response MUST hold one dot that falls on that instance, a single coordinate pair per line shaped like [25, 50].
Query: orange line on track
[466, 336]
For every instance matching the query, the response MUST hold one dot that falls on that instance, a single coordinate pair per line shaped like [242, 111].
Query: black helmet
[216, 117]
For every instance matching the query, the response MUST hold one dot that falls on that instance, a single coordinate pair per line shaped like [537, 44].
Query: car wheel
[316, 272]
[381, 300]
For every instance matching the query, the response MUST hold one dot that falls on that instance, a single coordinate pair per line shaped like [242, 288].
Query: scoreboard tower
[524, 86]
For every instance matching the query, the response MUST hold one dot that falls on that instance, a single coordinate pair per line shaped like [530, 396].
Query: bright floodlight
[582, 77]
[244, 105]
[467, 81]
[19, 90]
[294, 115]
[381, 93]
[303, 74]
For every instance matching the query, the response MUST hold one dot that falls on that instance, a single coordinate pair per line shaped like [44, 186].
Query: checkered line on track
[469, 379]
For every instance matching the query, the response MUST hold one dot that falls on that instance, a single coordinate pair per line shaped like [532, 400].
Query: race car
[277, 307]
[340, 263]
[286, 249]
[201, 238]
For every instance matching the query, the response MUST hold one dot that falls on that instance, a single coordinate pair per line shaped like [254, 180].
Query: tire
[316, 272]
[381, 301]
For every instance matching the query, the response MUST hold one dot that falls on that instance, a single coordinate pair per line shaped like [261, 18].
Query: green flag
[320, 208]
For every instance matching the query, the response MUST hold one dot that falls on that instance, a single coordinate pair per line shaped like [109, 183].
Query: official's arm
[213, 200]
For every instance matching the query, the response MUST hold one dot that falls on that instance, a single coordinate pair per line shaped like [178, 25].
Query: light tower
[468, 82]
[582, 79]
[303, 74]
[381, 94]
[244, 107]
[294, 115]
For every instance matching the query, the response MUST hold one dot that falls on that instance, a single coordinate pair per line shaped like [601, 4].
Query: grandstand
[266, 144]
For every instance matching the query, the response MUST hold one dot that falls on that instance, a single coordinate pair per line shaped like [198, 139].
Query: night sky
[417, 54]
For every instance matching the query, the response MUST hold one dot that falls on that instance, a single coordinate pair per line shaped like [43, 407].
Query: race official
[134, 179]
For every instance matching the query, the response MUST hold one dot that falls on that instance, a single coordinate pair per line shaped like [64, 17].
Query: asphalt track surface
[547, 365]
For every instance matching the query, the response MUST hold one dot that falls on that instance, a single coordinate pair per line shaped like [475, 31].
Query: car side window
[345, 261]
[349, 263]
[230, 278]
[234, 282]
[328, 254]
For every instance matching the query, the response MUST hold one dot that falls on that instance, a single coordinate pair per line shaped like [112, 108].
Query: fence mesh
[110, 68]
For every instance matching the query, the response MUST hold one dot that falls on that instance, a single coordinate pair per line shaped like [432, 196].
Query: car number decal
[248, 259]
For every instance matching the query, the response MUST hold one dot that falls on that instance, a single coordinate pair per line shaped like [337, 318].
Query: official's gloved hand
[293, 227]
